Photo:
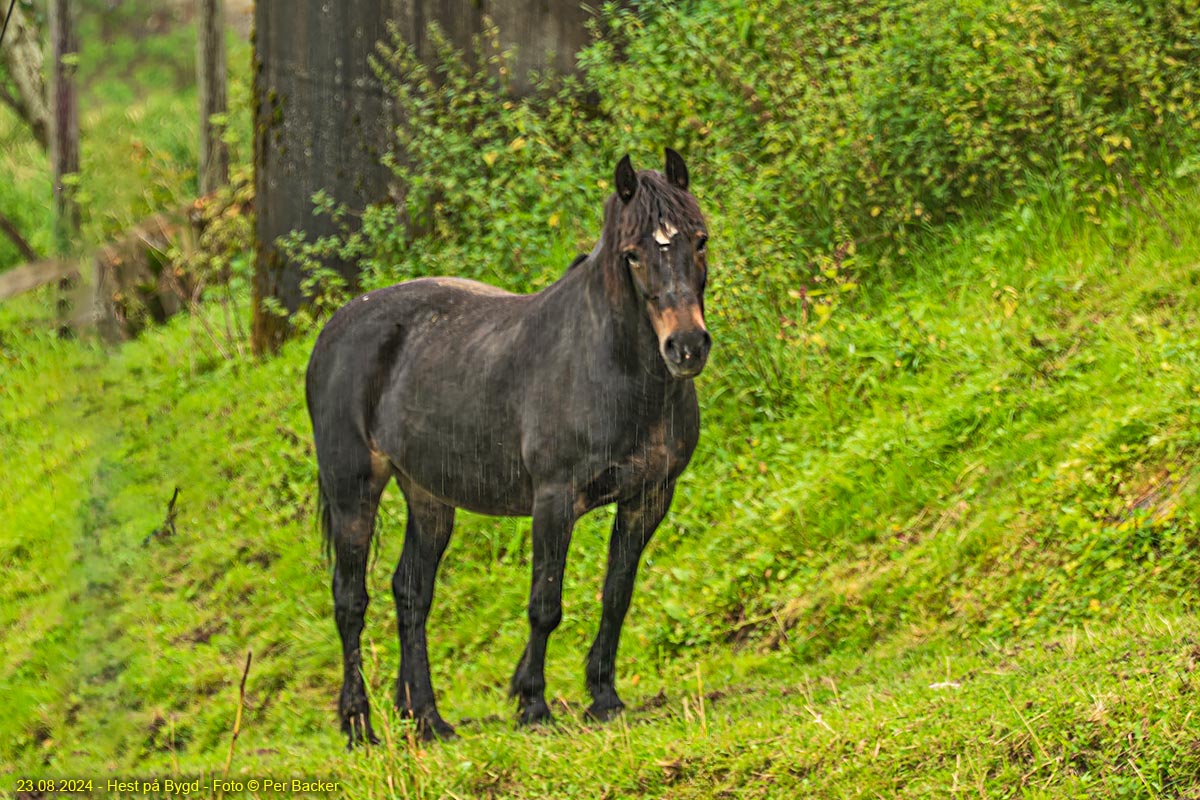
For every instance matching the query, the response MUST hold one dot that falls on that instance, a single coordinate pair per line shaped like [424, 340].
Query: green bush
[822, 137]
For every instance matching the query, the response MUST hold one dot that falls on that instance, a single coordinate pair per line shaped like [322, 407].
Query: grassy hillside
[942, 533]
[960, 557]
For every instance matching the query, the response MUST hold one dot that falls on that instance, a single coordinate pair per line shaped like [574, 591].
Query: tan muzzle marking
[671, 320]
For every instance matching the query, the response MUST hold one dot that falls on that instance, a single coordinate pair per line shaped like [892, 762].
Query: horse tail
[325, 521]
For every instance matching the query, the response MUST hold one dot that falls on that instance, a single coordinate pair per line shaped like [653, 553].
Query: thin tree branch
[12, 5]
[36, 126]
[22, 279]
[14, 234]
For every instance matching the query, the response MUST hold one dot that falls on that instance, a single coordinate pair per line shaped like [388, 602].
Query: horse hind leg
[426, 535]
[351, 500]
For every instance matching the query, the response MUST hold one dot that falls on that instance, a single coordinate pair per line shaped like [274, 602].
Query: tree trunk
[64, 144]
[211, 78]
[21, 53]
[546, 34]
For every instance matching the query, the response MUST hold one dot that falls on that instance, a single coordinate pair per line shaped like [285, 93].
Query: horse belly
[460, 450]
[484, 477]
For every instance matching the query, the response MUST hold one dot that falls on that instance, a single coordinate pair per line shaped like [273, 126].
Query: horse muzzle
[686, 352]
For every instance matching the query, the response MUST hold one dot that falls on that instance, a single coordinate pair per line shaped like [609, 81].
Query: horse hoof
[535, 716]
[355, 738]
[437, 730]
[605, 713]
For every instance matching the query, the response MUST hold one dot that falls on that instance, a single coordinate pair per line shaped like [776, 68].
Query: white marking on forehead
[664, 233]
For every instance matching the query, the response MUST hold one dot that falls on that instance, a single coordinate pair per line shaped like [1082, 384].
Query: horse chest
[653, 455]
[656, 455]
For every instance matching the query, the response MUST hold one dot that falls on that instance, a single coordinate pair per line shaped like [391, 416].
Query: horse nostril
[673, 351]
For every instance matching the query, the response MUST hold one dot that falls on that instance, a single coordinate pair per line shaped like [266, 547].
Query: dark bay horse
[545, 405]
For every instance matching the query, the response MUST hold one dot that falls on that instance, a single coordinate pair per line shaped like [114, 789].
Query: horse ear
[626, 179]
[676, 170]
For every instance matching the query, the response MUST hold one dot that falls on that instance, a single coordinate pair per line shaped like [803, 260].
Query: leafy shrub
[510, 187]
[822, 136]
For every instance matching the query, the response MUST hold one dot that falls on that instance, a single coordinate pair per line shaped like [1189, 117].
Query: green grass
[940, 538]
[979, 471]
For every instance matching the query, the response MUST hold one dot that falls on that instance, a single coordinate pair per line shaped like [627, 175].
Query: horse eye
[702, 244]
[631, 259]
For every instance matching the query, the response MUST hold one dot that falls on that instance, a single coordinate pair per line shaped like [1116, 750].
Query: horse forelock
[656, 205]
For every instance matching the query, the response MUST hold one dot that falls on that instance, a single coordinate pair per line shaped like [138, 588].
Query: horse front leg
[553, 521]
[635, 523]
